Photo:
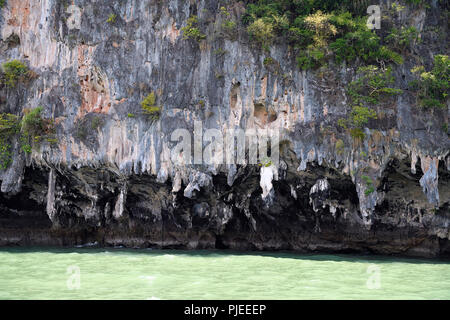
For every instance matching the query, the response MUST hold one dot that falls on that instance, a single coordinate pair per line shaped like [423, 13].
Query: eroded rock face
[110, 177]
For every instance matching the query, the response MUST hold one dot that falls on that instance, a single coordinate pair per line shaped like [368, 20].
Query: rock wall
[110, 177]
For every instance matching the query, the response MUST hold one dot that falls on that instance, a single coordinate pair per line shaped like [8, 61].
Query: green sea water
[150, 274]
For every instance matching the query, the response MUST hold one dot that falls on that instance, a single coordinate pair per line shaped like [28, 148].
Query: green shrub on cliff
[370, 188]
[149, 100]
[262, 32]
[191, 30]
[33, 128]
[359, 117]
[9, 126]
[355, 40]
[30, 129]
[311, 58]
[32, 121]
[299, 8]
[13, 72]
[112, 18]
[340, 146]
[320, 29]
[5, 154]
[372, 87]
[401, 39]
[228, 26]
[364, 45]
[432, 88]
[150, 108]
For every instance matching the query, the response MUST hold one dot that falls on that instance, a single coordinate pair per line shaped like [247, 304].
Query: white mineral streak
[267, 175]
[51, 195]
[413, 162]
[429, 180]
[333, 211]
[321, 186]
[197, 181]
[176, 185]
[120, 203]
[293, 192]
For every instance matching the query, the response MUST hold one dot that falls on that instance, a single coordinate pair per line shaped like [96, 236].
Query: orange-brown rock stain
[95, 95]
[20, 13]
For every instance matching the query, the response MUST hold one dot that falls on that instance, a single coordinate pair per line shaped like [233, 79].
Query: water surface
[150, 274]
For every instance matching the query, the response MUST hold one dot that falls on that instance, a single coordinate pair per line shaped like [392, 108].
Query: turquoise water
[150, 274]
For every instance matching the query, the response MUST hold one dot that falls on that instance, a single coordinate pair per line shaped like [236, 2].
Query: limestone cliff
[109, 176]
